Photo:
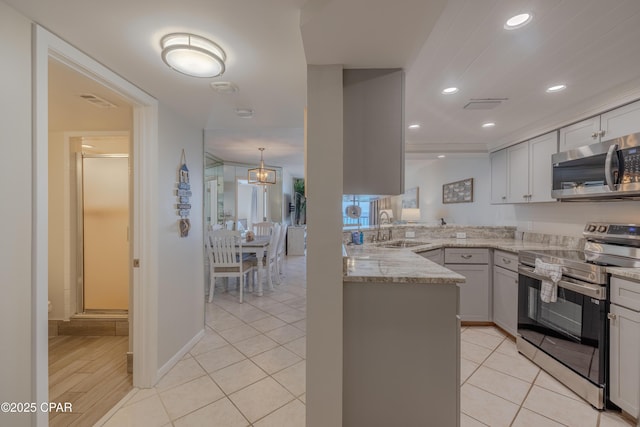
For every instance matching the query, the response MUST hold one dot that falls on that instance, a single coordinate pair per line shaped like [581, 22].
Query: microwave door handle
[608, 176]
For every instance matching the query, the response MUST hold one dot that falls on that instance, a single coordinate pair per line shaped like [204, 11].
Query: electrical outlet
[461, 235]
[409, 234]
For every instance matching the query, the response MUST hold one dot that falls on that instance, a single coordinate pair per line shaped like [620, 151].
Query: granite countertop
[372, 262]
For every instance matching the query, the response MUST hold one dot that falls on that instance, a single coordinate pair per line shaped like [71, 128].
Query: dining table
[258, 247]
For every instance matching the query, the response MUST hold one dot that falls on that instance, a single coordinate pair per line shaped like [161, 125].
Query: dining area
[244, 261]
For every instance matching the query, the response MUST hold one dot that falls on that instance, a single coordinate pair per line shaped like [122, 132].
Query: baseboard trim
[179, 355]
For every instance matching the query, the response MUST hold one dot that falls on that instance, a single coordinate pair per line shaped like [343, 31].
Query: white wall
[324, 242]
[181, 262]
[430, 175]
[566, 218]
[16, 382]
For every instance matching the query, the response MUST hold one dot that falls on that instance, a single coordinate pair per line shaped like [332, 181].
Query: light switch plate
[409, 234]
[461, 235]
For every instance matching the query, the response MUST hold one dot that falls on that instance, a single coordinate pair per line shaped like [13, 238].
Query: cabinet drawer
[505, 260]
[466, 256]
[625, 293]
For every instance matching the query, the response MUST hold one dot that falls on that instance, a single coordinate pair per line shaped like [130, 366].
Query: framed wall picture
[458, 192]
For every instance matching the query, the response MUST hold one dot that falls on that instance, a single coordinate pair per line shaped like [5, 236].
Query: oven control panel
[625, 234]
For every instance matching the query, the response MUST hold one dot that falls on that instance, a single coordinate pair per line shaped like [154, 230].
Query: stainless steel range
[569, 337]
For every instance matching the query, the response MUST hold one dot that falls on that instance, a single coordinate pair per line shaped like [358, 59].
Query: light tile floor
[249, 370]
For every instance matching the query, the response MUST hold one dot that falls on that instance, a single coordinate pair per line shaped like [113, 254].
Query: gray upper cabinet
[613, 124]
[373, 148]
[499, 177]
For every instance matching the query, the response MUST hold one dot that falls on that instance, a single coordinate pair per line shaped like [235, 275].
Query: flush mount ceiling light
[556, 88]
[193, 55]
[488, 125]
[518, 21]
[261, 175]
[441, 156]
[450, 90]
[414, 126]
[244, 113]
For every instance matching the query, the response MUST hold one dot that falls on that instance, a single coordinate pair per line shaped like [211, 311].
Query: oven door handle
[593, 291]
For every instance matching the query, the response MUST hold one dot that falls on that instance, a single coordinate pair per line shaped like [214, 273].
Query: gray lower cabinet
[624, 345]
[475, 294]
[505, 290]
[435, 255]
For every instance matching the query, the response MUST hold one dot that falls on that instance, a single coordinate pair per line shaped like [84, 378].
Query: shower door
[104, 229]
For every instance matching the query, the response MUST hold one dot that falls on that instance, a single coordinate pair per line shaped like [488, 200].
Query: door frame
[144, 234]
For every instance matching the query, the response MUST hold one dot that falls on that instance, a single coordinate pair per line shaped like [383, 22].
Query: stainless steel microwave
[605, 170]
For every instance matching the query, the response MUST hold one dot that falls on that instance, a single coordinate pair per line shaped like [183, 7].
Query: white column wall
[180, 259]
[323, 158]
[16, 357]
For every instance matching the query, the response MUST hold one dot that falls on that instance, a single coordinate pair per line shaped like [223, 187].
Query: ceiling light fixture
[488, 125]
[193, 55]
[441, 156]
[414, 126]
[87, 146]
[556, 88]
[261, 175]
[450, 90]
[518, 21]
[244, 113]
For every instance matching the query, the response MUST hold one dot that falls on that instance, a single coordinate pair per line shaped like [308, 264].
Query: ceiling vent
[97, 101]
[224, 87]
[484, 103]
[245, 113]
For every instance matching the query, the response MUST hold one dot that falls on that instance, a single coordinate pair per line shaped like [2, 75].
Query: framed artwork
[458, 192]
[410, 199]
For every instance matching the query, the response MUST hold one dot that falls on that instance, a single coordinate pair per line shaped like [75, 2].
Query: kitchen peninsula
[401, 337]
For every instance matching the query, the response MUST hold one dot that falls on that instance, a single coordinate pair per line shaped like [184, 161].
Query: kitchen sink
[399, 244]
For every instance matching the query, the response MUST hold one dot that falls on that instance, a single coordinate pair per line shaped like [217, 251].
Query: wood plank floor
[91, 373]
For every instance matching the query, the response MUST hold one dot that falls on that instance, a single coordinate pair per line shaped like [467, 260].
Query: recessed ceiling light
[488, 125]
[556, 88]
[518, 21]
[450, 90]
[87, 146]
[441, 156]
[193, 55]
[414, 126]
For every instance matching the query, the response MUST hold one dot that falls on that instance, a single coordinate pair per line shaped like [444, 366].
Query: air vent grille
[97, 101]
[484, 103]
[224, 87]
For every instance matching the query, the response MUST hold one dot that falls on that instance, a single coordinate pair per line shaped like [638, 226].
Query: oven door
[572, 330]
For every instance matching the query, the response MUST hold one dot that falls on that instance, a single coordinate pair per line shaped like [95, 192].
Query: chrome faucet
[388, 221]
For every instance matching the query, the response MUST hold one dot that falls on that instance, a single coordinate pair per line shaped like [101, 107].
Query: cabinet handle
[504, 197]
[465, 256]
[524, 196]
[506, 261]
[602, 132]
[594, 135]
[515, 281]
[611, 316]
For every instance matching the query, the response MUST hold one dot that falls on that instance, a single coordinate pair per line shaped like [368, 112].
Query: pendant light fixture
[262, 175]
[193, 55]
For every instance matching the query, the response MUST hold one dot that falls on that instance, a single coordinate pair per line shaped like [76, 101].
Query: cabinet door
[475, 302]
[624, 369]
[505, 299]
[434, 255]
[499, 177]
[518, 173]
[620, 122]
[540, 151]
[579, 134]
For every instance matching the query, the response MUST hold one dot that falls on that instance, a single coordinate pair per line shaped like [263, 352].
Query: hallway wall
[16, 375]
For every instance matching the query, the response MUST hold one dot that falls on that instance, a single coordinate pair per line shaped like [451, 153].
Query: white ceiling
[591, 45]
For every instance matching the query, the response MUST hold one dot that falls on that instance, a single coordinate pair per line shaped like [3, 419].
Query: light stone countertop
[372, 262]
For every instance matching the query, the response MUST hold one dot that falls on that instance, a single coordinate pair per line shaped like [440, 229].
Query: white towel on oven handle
[548, 288]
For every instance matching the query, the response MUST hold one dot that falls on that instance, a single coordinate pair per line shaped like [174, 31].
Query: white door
[540, 169]
[518, 173]
[621, 121]
[579, 134]
[499, 177]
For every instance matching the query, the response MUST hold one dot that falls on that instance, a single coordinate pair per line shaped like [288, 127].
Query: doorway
[251, 203]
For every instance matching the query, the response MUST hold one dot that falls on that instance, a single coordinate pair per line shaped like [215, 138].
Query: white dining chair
[224, 249]
[263, 228]
[280, 252]
[269, 260]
